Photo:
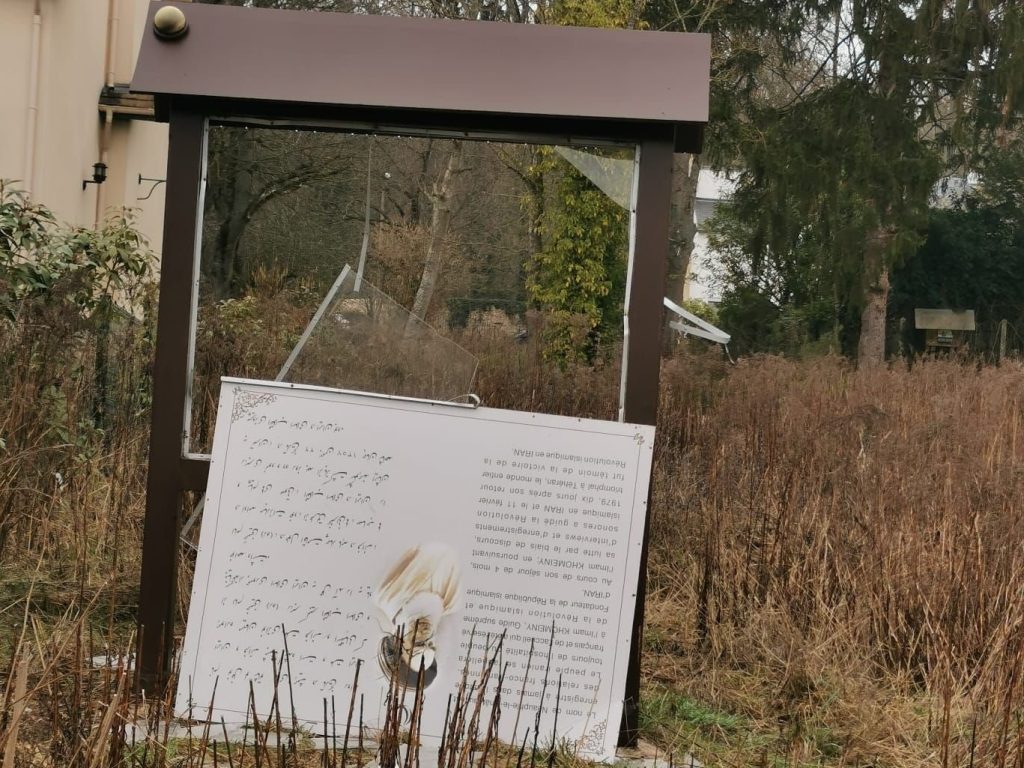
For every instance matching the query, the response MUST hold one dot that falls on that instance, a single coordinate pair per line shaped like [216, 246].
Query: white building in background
[614, 176]
[66, 65]
[951, 190]
[712, 188]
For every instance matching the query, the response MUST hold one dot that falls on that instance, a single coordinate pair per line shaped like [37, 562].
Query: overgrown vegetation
[579, 277]
[782, 296]
[840, 553]
[74, 351]
[837, 565]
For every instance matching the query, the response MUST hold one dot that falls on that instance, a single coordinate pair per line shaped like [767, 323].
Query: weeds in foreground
[837, 564]
[100, 718]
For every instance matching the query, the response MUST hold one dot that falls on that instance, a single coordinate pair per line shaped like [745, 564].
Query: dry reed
[836, 569]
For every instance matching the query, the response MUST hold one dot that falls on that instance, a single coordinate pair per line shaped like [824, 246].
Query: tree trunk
[242, 201]
[227, 269]
[101, 406]
[415, 209]
[533, 178]
[685, 170]
[871, 345]
[681, 235]
[441, 212]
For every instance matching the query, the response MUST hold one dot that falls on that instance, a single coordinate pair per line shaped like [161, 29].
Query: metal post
[642, 360]
[168, 475]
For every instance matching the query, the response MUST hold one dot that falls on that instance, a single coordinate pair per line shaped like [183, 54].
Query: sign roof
[389, 62]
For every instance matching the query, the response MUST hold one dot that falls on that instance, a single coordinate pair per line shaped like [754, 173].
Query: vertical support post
[642, 360]
[165, 481]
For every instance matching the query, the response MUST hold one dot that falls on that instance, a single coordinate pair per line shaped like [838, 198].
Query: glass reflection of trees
[483, 242]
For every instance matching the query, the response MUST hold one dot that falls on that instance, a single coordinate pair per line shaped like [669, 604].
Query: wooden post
[642, 362]
[168, 472]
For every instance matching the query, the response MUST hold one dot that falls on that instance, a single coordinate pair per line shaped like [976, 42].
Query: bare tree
[440, 195]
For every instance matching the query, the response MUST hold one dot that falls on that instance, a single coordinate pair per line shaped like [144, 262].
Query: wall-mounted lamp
[99, 174]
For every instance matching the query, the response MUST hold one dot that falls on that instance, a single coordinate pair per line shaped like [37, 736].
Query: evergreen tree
[885, 98]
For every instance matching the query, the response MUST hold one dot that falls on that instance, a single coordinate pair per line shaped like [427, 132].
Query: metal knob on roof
[169, 23]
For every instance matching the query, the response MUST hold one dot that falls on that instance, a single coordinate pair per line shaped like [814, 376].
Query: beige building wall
[51, 128]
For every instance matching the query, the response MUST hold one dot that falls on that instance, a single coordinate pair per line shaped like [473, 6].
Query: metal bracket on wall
[156, 183]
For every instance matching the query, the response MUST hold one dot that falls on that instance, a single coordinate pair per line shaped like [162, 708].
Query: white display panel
[343, 515]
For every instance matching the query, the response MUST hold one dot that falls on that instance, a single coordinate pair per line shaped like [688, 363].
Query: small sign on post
[944, 328]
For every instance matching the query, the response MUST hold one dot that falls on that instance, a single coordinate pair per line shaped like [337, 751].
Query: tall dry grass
[73, 427]
[74, 441]
[836, 555]
[845, 549]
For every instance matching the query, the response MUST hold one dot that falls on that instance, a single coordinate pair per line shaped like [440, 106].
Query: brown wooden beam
[296, 57]
[642, 361]
[185, 159]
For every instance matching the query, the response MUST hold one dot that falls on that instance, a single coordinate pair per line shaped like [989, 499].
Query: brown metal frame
[170, 474]
[643, 363]
[188, 111]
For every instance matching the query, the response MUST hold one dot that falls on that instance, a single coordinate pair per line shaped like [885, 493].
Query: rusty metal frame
[172, 473]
